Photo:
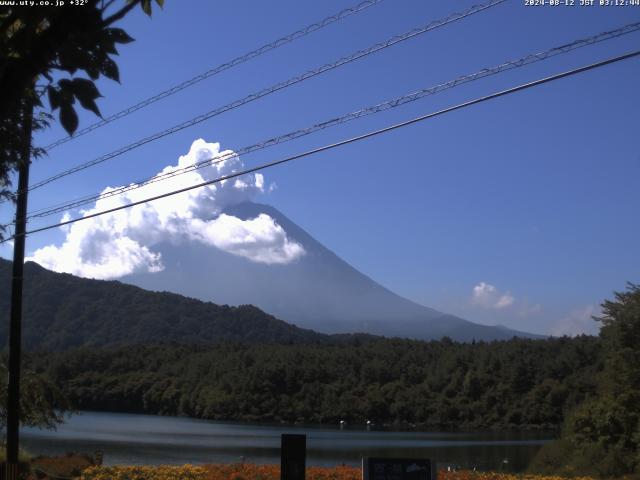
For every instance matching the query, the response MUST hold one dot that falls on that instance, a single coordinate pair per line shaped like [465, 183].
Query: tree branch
[120, 13]
[105, 6]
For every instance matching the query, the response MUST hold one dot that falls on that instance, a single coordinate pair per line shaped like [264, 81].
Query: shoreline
[353, 426]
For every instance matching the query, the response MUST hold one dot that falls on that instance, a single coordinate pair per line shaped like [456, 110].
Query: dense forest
[518, 383]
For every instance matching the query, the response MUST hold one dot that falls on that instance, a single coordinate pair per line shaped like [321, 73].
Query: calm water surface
[149, 439]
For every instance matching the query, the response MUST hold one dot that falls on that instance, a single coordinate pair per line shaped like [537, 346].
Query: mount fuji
[319, 290]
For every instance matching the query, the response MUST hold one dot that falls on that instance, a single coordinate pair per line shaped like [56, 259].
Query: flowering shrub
[272, 472]
[162, 472]
[214, 472]
[69, 465]
[470, 475]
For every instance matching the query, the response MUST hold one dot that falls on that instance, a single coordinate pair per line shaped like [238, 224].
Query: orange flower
[249, 471]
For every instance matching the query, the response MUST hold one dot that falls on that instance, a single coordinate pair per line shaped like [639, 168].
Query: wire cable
[274, 88]
[396, 102]
[344, 142]
[220, 68]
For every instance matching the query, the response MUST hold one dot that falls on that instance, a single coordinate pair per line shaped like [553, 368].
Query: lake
[148, 439]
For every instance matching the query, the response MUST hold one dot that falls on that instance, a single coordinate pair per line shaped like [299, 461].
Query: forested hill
[514, 383]
[62, 311]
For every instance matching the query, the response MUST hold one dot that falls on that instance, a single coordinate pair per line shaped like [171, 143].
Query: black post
[293, 454]
[13, 404]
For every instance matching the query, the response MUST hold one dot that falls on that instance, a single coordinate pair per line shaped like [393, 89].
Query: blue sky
[521, 211]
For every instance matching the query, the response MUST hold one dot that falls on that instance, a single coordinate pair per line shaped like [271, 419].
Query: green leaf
[93, 71]
[54, 97]
[110, 70]
[70, 59]
[146, 7]
[160, 3]
[85, 88]
[110, 48]
[65, 85]
[66, 91]
[90, 104]
[68, 118]
[118, 35]
[86, 93]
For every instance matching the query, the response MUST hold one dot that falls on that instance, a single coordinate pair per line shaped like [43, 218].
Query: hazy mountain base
[518, 383]
[319, 291]
[62, 311]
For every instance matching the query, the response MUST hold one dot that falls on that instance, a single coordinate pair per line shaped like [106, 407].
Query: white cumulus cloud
[487, 296]
[122, 242]
[577, 322]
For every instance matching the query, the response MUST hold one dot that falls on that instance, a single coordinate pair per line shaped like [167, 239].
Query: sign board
[398, 469]
[293, 454]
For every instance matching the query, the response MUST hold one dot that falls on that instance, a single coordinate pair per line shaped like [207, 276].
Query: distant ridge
[62, 311]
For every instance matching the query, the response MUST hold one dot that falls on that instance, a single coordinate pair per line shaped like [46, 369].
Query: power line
[411, 97]
[274, 88]
[345, 142]
[220, 68]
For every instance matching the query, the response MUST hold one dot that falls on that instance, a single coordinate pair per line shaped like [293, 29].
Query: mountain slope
[319, 291]
[62, 311]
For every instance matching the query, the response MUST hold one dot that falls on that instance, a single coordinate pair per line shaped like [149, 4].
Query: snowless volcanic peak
[317, 290]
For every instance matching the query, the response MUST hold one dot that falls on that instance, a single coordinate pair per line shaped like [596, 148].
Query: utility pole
[13, 404]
